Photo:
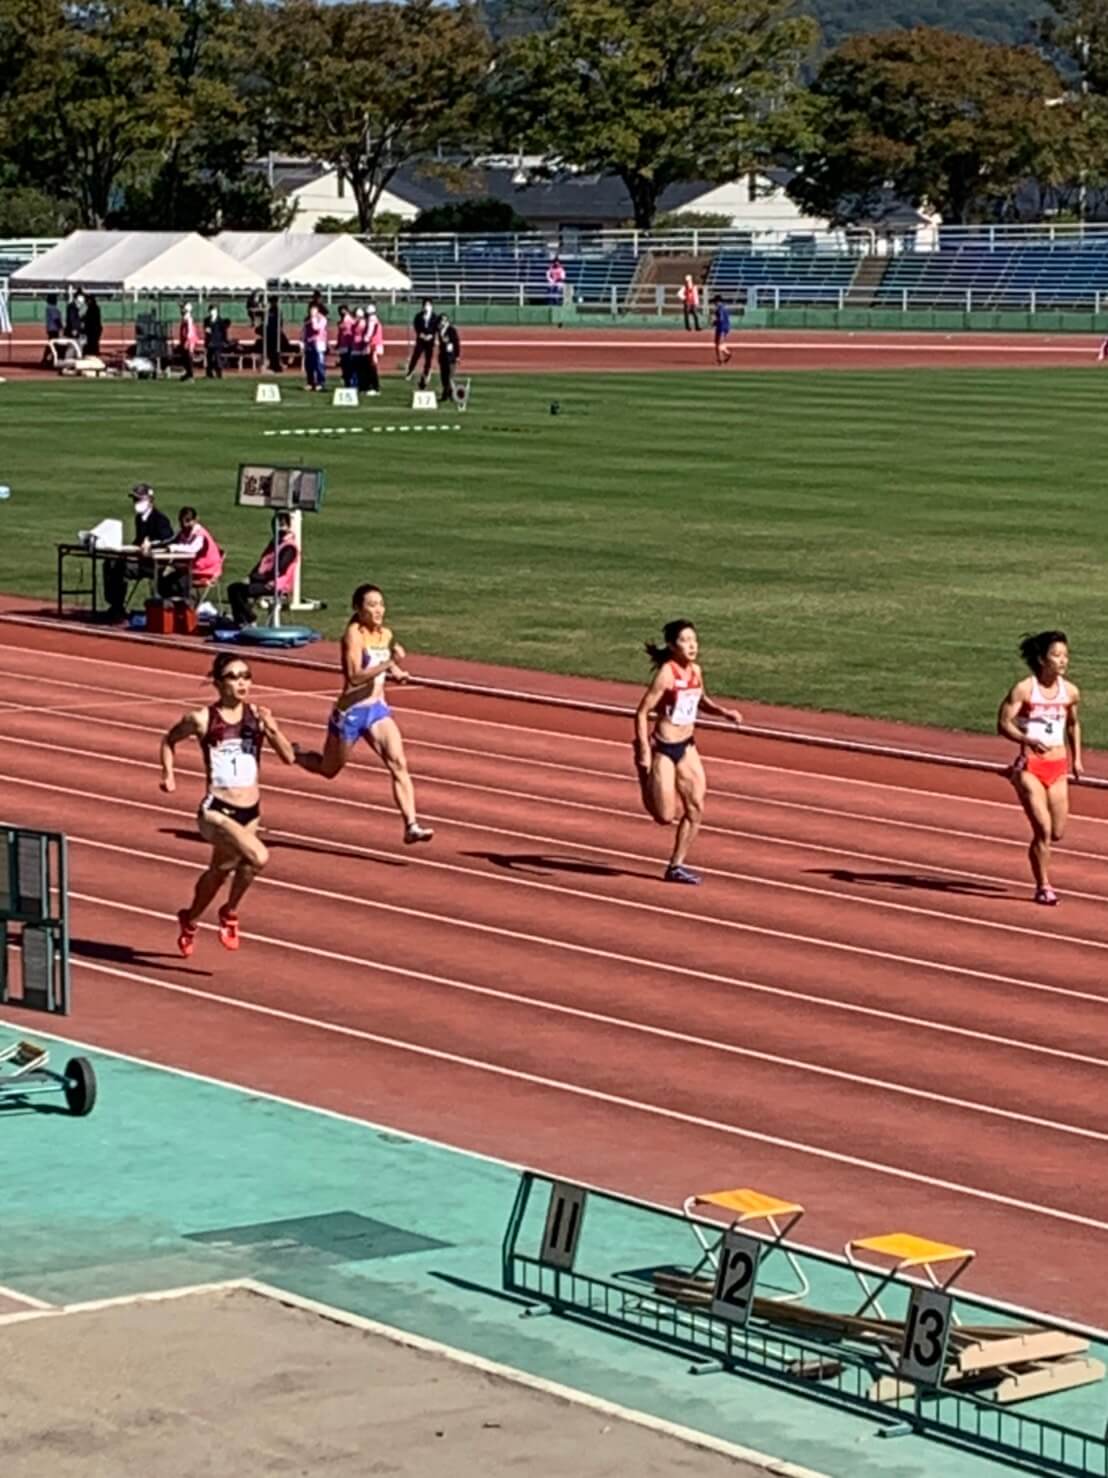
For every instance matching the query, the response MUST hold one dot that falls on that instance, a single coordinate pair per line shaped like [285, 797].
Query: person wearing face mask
[215, 344]
[425, 336]
[152, 529]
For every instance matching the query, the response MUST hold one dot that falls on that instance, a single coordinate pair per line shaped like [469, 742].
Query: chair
[905, 1251]
[746, 1206]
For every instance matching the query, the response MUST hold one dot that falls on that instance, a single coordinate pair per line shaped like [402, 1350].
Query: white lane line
[453, 921]
[753, 798]
[755, 880]
[592, 1094]
[577, 738]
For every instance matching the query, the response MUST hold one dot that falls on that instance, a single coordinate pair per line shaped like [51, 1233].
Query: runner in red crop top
[1040, 715]
[231, 733]
[671, 775]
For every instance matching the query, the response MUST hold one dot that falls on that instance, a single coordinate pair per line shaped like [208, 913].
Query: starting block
[424, 400]
[267, 395]
[744, 1207]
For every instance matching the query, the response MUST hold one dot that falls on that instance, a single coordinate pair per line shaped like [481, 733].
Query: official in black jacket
[425, 326]
[152, 529]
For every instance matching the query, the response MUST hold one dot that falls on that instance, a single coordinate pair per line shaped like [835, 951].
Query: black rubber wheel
[80, 1086]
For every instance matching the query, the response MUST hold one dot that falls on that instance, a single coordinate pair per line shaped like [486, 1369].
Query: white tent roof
[139, 261]
[307, 259]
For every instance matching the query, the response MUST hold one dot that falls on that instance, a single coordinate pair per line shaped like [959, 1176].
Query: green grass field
[872, 542]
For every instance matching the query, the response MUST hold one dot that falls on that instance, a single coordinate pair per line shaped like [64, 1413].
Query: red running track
[861, 1009]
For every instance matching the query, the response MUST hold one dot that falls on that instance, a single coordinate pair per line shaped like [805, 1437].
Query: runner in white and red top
[1040, 715]
[671, 775]
[231, 733]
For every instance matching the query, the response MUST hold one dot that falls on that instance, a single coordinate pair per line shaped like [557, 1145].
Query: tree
[371, 84]
[485, 217]
[654, 91]
[931, 116]
[91, 106]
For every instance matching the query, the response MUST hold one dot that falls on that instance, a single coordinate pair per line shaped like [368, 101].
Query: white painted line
[556, 1171]
[595, 1095]
[25, 1298]
[777, 1467]
[712, 920]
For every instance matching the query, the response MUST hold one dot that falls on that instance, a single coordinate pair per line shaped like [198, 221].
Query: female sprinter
[230, 733]
[668, 763]
[369, 655]
[1040, 715]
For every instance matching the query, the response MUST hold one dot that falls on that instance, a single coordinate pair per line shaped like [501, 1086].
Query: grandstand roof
[138, 261]
[304, 259]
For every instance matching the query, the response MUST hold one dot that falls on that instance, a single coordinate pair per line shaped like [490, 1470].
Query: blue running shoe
[681, 874]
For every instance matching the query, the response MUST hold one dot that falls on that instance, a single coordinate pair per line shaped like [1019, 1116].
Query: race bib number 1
[233, 768]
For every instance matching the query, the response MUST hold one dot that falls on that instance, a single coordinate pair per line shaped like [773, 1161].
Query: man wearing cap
[152, 528]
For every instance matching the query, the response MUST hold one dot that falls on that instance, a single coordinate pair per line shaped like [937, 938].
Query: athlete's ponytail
[670, 633]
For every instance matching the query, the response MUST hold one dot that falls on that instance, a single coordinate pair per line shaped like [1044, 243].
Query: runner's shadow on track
[123, 954]
[963, 887]
[276, 842]
[540, 865]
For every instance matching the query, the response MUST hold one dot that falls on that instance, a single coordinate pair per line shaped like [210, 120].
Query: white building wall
[755, 204]
[330, 196]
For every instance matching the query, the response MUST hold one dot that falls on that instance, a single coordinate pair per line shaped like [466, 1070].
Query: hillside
[991, 20]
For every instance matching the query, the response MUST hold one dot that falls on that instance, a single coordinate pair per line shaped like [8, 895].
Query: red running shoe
[186, 933]
[228, 928]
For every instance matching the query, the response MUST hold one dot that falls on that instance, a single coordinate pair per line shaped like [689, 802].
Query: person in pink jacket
[375, 344]
[207, 557]
[188, 338]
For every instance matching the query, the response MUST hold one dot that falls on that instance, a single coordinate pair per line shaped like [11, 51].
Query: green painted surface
[173, 1181]
[870, 541]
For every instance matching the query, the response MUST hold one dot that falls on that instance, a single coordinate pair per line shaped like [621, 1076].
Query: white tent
[139, 261]
[305, 259]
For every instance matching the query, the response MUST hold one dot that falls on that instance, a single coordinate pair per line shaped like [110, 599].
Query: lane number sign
[735, 1279]
[926, 1331]
[564, 1216]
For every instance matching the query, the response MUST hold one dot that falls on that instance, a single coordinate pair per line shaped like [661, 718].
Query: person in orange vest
[689, 295]
[275, 573]
[188, 338]
[207, 557]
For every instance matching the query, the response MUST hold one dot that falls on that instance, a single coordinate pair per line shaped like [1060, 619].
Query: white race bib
[233, 768]
[685, 706]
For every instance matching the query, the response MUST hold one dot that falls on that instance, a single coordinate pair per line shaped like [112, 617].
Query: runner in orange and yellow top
[1040, 715]
[671, 775]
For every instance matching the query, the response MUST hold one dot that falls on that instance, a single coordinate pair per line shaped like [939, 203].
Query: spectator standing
[344, 342]
[73, 318]
[94, 325]
[315, 345]
[556, 281]
[255, 313]
[215, 343]
[359, 350]
[375, 346]
[689, 295]
[274, 574]
[425, 326]
[450, 352]
[273, 335]
[188, 337]
[54, 325]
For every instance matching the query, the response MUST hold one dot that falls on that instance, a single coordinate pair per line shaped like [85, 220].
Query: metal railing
[907, 299]
[842, 1370]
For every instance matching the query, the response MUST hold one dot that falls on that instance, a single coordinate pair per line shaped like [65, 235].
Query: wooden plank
[1045, 1344]
[1045, 1380]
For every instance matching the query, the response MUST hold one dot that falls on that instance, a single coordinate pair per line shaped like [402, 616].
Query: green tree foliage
[936, 118]
[655, 91]
[370, 84]
[133, 112]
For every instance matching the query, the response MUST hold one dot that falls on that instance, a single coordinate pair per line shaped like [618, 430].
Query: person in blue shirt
[721, 323]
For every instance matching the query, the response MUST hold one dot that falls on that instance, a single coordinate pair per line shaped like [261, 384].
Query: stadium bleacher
[799, 276]
[498, 273]
[1060, 274]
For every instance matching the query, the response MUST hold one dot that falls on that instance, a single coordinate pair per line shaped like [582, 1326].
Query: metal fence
[907, 299]
[844, 1372]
